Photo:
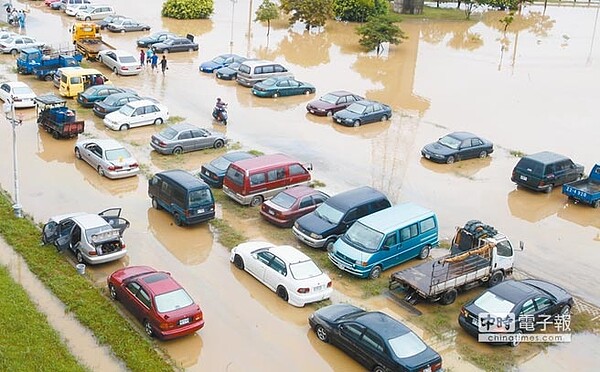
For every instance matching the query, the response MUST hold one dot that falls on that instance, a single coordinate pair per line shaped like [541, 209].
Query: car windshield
[117, 154]
[10, 40]
[200, 197]
[127, 59]
[234, 65]
[356, 108]
[127, 110]
[269, 82]
[219, 60]
[304, 270]
[283, 200]
[329, 98]
[168, 133]
[407, 345]
[22, 90]
[172, 301]
[363, 237]
[449, 141]
[328, 213]
[491, 303]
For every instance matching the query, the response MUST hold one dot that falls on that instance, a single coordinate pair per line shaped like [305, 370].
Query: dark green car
[281, 86]
[96, 93]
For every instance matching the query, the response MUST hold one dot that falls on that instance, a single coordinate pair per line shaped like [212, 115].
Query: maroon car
[291, 204]
[165, 309]
[332, 103]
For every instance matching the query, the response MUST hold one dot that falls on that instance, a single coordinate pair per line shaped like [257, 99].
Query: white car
[16, 43]
[120, 62]
[137, 114]
[108, 157]
[17, 92]
[285, 270]
[72, 9]
[6, 35]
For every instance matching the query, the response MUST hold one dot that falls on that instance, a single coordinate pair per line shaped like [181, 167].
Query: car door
[92, 154]
[110, 60]
[465, 150]
[350, 341]
[545, 308]
[259, 263]
[410, 242]
[50, 232]
[392, 251]
[138, 117]
[368, 115]
[114, 219]
[138, 304]
[566, 171]
[201, 139]
[275, 274]
[282, 88]
[374, 350]
[64, 234]
[185, 140]
[478, 147]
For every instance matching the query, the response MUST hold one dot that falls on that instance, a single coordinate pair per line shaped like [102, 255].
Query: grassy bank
[80, 297]
[27, 341]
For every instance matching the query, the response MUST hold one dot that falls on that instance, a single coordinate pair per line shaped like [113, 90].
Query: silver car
[108, 157]
[120, 62]
[93, 238]
[184, 137]
[16, 43]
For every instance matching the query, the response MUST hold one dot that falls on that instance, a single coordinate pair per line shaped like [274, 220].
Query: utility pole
[9, 109]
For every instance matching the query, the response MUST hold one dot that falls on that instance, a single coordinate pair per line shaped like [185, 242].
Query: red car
[291, 204]
[165, 309]
[332, 102]
[49, 2]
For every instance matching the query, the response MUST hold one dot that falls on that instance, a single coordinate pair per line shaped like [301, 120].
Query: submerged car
[285, 270]
[185, 137]
[290, 204]
[93, 238]
[229, 72]
[108, 157]
[137, 114]
[113, 102]
[332, 102]
[363, 112]
[120, 62]
[223, 60]
[109, 19]
[175, 44]
[376, 340]
[97, 93]
[457, 146]
[127, 25]
[214, 172]
[157, 37]
[544, 170]
[20, 94]
[163, 306]
[281, 86]
[17, 43]
[531, 302]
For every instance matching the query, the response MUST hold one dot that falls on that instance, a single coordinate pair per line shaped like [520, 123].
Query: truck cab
[85, 30]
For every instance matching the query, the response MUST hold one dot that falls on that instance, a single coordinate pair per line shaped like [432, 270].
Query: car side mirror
[385, 248]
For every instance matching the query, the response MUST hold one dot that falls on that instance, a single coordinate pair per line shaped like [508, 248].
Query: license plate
[475, 322]
[319, 288]
[427, 156]
[312, 111]
[271, 212]
[200, 210]
[524, 178]
[339, 120]
[184, 321]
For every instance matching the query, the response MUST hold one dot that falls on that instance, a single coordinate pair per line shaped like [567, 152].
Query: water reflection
[336, 358]
[305, 49]
[185, 351]
[534, 206]
[117, 187]
[580, 214]
[50, 149]
[467, 168]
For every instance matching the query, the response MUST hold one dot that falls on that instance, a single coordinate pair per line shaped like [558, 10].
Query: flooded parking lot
[528, 90]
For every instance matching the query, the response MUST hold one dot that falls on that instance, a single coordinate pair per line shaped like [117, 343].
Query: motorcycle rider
[220, 107]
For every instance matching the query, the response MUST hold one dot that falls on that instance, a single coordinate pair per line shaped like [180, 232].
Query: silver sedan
[108, 157]
[120, 62]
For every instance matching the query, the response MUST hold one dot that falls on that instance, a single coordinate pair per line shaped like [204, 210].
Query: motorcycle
[220, 114]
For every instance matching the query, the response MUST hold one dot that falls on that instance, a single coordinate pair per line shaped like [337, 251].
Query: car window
[352, 331]
[296, 169]
[257, 179]
[172, 301]
[543, 303]
[391, 240]
[264, 257]
[465, 144]
[528, 308]
[351, 215]
[306, 202]
[279, 68]
[133, 287]
[151, 109]
[283, 83]
[476, 142]
[504, 249]
[294, 83]
[165, 188]
[138, 111]
[377, 107]
[197, 133]
[276, 174]
[550, 168]
[408, 232]
[427, 224]
[268, 69]
[368, 109]
[278, 265]
[372, 341]
[143, 297]
[342, 100]
[185, 135]
[318, 199]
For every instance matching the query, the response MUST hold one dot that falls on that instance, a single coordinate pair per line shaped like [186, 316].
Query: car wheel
[88, 19]
[516, 340]
[321, 333]
[158, 121]
[101, 171]
[424, 252]
[177, 150]
[112, 291]
[55, 135]
[483, 154]
[178, 220]
[306, 92]
[155, 204]
[238, 261]
[218, 144]
[496, 278]
[148, 329]
[48, 77]
[549, 189]
[448, 297]
[375, 272]
[14, 52]
[123, 31]
[191, 50]
[329, 245]
[256, 201]
[79, 256]
[379, 369]
[166, 51]
[384, 118]
[115, 71]
[356, 123]
[282, 293]
[450, 160]
[596, 204]
[124, 127]
[329, 114]
[275, 95]
[77, 153]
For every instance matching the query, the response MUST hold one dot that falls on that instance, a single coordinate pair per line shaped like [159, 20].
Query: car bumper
[530, 187]
[433, 157]
[24, 103]
[299, 300]
[180, 332]
[132, 72]
[363, 272]
[161, 150]
[86, 104]
[225, 77]
[244, 200]
[262, 94]
[345, 122]
[96, 260]
[111, 125]
[122, 174]
[468, 326]
[212, 182]
[100, 114]
[199, 218]
[311, 242]
[207, 70]
[317, 112]
[245, 82]
[276, 221]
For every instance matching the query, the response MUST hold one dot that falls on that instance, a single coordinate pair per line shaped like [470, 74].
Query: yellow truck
[88, 40]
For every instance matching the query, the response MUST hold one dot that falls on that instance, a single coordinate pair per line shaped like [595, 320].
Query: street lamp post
[232, 17]
[9, 108]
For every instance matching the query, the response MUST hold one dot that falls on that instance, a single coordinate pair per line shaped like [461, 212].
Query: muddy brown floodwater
[530, 89]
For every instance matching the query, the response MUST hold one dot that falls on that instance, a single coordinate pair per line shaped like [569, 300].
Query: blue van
[386, 238]
[186, 197]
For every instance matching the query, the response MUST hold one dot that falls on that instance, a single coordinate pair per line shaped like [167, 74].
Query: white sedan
[16, 43]
[120, 62]
[71, 10]
[17, 92]
[285, 270]
[137, 114]
[108, 157]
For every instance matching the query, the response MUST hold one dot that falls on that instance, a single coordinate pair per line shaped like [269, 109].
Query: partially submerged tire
[178, 220]
[448, 297]
[77, 153]
[113, 292]
[238, 261]
[155, 204]
[148, 329]
[282, 293]
[321, 333]
[450, 160]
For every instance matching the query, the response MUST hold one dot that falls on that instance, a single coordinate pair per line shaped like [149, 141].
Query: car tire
[496, 279]
[124, 127]
[79, 257]
[14, 52]
[329, 244]
[148, 328]
[375, 272]
[155, 204]
[515, 342]
[166, 51]
[256, 201]
[566, 310]
[55, 134]
[101, 171]
[177, 150]
[123, 31]
[321, 333]
[112, 292]
[116, 71]
[424, 252]
[218, 144]
[190, 50]
[275, 95]
[549, 189]
[596, 204]
[178, 220]
[238, 262]
[329, 113]
[88, 19]
[356, 123]
[77, 153]
[306, 92]
[48, 77]
[483, 154]
[448, 297]
[384, 118]
[158, 121]
[450, 160]
[379, 369]
[282, 293]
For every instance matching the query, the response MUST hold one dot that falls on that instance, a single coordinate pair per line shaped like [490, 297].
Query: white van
[251, 72]
[96, 12]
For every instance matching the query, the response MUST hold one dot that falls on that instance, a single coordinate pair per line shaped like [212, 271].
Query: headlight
[315, 236]
[296, 225]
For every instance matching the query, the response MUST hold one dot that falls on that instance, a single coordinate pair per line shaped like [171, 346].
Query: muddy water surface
[530, 89]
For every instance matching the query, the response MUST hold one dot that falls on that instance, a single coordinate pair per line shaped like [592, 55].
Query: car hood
[213, 169]
[146, 40]
[226, 70]
[437, 148]
[345, 114]
[560, 294]
[116, 117]
[315, 224]
[351, 251]
[334, 312]
[318, 104]
[210, 64]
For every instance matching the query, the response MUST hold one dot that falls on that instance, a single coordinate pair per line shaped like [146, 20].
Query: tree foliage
[314, 13]
[359, 10]
[378, 30]
[188, 9]
[267, 11]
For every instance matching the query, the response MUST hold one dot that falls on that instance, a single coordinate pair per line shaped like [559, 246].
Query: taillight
[162, 144]
[329, 284]
[303, 290]
[464, 312]
[134, 165]
[114, 167]
[166, 325]
[436, 367]
[92, 253]
[197, 317]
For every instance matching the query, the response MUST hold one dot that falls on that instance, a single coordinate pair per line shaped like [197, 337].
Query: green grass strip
[27, 341]
[86, 302]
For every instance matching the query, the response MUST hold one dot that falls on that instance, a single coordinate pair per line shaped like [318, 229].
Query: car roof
[254, 62]
[238, 155]
[546, 157]
[184, 126]
[121, 95]
[389, 219]
[142, 102]
[90, 220]
[515, 291]
[301, 190]
[289, 254]
[461, 135]
[341, 93]
[382, 324]
[159, 282]
[183, 178]
[121, 52]
[17, 84]
[366, 102]
[265, 161]
[348, 199]
[106, 144]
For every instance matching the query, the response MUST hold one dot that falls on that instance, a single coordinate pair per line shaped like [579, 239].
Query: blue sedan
[281, 86]
[223, 60]
[363, 112]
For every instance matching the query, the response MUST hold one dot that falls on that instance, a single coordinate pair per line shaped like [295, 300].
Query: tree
[266, 12]
[378, 30]
[188, 9]
[314, 13]
[359, 10]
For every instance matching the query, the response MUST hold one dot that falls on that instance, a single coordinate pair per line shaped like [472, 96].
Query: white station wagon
[285, 270]
[137, 114]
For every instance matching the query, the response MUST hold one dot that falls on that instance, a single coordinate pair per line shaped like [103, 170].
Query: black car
[457, 146]
[229, 72]
[156, 37]
[176, 44]
[532, 302]
[363, 112]
[214, 172]
[544, 170]
[376, 340]
[113, 103]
